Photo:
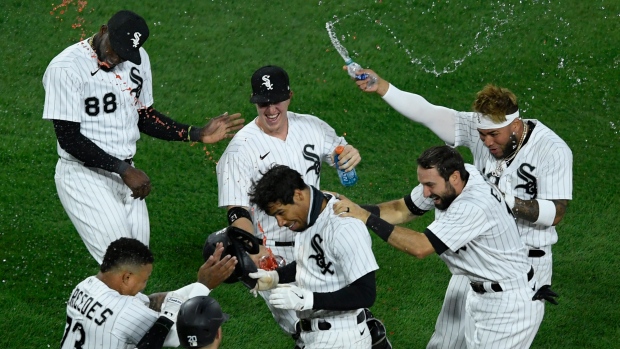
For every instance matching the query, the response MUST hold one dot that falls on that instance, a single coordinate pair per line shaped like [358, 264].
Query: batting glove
[291, 297]
[547, 294]
[171, 305]
[266, 280]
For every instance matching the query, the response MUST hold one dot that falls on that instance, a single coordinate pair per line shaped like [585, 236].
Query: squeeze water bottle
[353, 68]
[346, 178]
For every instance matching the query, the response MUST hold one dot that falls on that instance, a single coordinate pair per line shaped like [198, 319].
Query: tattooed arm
[529, 210]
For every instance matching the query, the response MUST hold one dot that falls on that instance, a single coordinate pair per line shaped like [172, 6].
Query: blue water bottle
[353, 68]
[346, 178]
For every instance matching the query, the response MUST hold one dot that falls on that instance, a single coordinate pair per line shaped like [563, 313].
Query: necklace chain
[500, 163]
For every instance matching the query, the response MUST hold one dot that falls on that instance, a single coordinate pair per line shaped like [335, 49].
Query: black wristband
[237, 212]
[194, 134]
[380, 227]
[373, 209]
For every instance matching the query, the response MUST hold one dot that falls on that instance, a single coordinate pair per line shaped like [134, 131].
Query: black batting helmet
[198, 321]
[237, 243]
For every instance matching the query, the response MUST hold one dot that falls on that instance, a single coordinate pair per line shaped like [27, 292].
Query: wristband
[546, 212]
[237, 212]
[373, 209]
[510, 201]
[380, 227]
[193, 134]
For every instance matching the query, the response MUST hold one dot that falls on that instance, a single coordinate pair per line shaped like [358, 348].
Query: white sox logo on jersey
[531, 184]
[320, 255]
[267, 82]
[316, 160]
[136, 39]
[136, 79]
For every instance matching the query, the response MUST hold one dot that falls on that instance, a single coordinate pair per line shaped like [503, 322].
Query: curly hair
[495, 102]
[445, 159]
[278, 184]
[126, 252]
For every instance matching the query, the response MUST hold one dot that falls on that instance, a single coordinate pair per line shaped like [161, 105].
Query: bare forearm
[395, 212]
[156, 299]
[529, 210]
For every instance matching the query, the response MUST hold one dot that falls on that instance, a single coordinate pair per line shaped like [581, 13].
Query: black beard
[510, 147]
[446, 199]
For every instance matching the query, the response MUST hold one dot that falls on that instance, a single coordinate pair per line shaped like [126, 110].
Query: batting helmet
[198, 321]
[237, 243]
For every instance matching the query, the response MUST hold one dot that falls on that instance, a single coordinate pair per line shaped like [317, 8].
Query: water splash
[481, 39]
[60, 10]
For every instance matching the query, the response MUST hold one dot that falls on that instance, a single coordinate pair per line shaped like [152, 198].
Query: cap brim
[271, 100]
[132, 56]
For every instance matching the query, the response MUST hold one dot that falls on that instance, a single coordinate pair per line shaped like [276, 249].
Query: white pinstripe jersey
[542, 169]
[104, 103]
[310, 141]
[331, 254]
[481, 235]
[99, 317]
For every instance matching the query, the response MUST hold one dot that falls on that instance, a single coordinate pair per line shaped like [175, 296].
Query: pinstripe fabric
[100, 206]
[545, 157]
[99, 317]
[330, 255]
[105, 104]
[308, 145]
[484, 246]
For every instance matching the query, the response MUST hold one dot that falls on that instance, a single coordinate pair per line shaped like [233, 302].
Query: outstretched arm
[438, 119]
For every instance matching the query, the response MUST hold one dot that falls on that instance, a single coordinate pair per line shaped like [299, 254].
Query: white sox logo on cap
[136, 39]
[267, 82]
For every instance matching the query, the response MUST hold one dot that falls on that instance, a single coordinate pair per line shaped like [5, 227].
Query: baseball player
[108, 310]
[475, 234]
[334, 266]
[99, 95]
[276, 136]
[527, 161]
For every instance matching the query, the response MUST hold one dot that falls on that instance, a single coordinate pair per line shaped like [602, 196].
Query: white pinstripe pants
[100, 206]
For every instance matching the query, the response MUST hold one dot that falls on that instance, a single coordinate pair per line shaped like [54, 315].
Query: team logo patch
[531, 184]
[316, 160]
[267, 82]
[136, 39]
[320, 255]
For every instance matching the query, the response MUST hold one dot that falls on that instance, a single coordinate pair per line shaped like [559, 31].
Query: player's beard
[508, 148]
[446, 198]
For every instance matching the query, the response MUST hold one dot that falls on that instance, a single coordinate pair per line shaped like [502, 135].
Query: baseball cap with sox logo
[127, 32]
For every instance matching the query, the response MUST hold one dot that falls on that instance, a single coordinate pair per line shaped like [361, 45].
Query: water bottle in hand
[353, 68]
[346, 178]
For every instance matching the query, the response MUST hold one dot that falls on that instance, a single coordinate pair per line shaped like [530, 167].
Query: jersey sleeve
[353, 249]
[134, 321]
[234, 179]
[465, 131]
[460, 224]
[63, 95]
[418, 199]
[556, 177]
[332, 140]
[146, 96]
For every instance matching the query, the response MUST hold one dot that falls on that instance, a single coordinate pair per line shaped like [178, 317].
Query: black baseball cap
[198, 320]
[270, 85]
[127, 32]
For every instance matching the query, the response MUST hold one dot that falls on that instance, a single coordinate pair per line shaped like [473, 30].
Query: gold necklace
[500, 163]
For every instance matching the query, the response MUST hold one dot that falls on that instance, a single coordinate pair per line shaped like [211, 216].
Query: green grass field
[560, 58]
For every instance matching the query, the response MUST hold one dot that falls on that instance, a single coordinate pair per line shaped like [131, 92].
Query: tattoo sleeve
[529, 211]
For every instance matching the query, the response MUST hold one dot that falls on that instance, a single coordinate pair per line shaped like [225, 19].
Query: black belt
[281, 243]
[306, 324]
[478, 287]
[129, 161]
[535, 253]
